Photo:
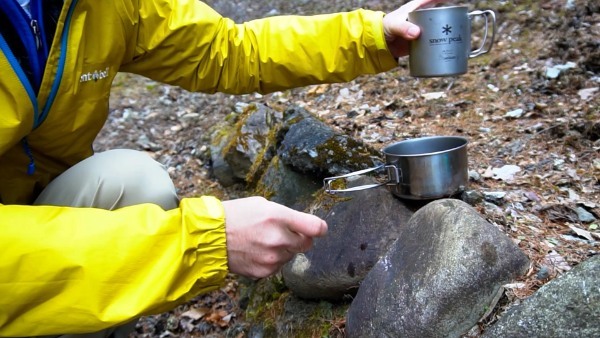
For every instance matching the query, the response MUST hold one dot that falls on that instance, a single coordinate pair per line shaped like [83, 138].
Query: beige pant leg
[111, 180]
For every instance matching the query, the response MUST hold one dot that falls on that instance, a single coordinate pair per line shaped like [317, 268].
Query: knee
[111, 180]
[138, 177]
[129, 166]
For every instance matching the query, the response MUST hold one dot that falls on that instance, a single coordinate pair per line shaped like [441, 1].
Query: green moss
[324, 320]
[237, 139]
[345, 151]
[262, 189]
[237, 132]
[262, 161]
[281, 314]
[266, 307]
[231, 117]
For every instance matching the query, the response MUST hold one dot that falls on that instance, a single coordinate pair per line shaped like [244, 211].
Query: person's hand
[398, 32]
[262, 235]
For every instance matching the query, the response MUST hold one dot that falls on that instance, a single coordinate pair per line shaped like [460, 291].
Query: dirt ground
[511, 108]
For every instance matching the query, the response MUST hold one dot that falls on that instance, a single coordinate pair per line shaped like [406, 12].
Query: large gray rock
[438, 279]
[220, 169]
[310, 146]
[567, 306]
[283, 185]
[362, 225]
[240, 150]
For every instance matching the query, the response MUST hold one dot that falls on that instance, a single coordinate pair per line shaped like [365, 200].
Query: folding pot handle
[486, 14]
[393, 173]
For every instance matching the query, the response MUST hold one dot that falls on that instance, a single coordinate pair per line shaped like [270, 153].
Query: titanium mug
[444, 47]
[419, 169]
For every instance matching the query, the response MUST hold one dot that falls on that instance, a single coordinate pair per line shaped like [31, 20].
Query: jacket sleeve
[186, 43]
[76, 270]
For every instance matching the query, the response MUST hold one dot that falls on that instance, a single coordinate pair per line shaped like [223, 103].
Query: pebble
[493, 88]
[543, 273]
[587, 93]
[514, 113]
[584, 215]
[495, 197]
[472, 197]
[554, 71]
[474, 176]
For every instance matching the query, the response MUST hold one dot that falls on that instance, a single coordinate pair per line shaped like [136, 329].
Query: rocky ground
[530, 110]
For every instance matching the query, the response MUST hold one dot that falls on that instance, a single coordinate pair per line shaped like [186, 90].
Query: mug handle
[486, 14]
[394, 174]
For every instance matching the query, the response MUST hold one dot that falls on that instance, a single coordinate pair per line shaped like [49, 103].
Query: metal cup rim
[440, 8]
[463, 143]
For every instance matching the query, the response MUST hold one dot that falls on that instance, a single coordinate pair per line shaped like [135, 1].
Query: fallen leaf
[227, 318]
[587, 93]
[515, 114]
[582, 233]
[556, 261]
[216, 316]
[517, 285]
[506, 173]
[195, 313]
[532, 196]
[317, 89]
[186, 325]
[488, 173]
[433, 96]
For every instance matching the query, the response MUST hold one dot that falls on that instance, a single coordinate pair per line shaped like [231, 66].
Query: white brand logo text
[94, 76]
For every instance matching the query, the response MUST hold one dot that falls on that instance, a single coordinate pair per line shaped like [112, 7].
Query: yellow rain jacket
[76, 270]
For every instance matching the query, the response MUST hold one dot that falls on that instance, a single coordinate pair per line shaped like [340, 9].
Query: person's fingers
[395, 24]
[398, 31]
[416, 4]
[305, 224]
[405, 30]
[305, 244]
[301, 244]
[262, 236]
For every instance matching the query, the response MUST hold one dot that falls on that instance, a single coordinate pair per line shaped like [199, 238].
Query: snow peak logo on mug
[442, 41]
[94, 76]
[444, 47]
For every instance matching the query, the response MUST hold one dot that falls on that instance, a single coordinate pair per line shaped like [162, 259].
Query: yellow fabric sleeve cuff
[374, 31]
[204, 218]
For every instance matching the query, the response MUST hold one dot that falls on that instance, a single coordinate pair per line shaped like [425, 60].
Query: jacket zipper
[20, 20]
[61, 64]
[36, 33]
[34, 40]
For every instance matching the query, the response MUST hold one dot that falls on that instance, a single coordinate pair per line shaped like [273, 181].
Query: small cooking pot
[419, 169]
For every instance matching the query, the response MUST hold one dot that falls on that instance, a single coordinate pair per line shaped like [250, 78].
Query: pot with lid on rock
[423, 168]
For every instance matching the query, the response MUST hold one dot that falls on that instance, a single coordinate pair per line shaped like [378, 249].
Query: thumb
[306, 224]
[408, 30]
[395, 24]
